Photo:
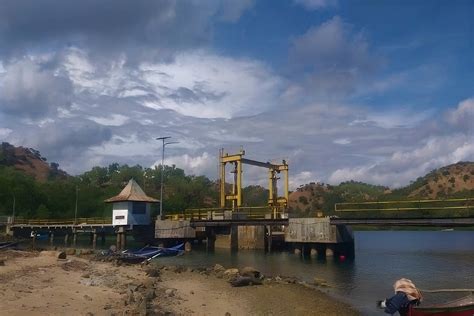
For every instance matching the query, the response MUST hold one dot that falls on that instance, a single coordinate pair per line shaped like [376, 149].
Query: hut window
[119, 217]
[139, 208]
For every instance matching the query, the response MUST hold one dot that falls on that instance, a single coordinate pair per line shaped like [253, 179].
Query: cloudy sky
[375, 91]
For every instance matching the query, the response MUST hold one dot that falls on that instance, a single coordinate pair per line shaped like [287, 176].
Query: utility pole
[163, 168]
[75, 210]
[13, 211]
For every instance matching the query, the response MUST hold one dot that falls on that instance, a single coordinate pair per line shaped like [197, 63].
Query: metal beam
[239, 222]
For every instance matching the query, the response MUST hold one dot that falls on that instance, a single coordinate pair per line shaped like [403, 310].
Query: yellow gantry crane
[275, 202]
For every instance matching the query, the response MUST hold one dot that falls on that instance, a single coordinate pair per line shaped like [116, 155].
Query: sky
[373, 91]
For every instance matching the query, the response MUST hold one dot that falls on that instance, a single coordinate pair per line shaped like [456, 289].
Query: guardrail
[219, 213]
[406, 205]
[63, 222]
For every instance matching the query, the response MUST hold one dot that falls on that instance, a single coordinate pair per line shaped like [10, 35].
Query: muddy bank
[38, 283]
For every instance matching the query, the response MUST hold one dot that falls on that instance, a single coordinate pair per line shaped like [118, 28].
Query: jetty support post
[74, 237]
[94, 239]
[66, 237]
[211, 238]
[124, 239]
[51, 239]
[33, 240]
[121, 238]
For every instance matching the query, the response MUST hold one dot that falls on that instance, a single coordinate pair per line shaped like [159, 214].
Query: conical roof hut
[131, 206]
[132, 192]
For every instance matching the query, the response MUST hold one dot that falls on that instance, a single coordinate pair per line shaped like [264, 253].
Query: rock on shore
[41, 284]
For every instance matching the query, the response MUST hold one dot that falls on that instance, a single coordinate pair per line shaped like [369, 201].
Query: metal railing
[256, 212]
[407, 205]
[63, 222]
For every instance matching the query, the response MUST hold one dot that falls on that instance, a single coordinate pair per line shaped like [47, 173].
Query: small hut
[131, 206]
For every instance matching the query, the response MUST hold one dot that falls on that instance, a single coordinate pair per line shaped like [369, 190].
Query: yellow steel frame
[274, 201]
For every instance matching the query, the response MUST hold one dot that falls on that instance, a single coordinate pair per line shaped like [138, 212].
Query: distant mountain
[456, 180]
[30, 162]
[448, 181]
[309, 199]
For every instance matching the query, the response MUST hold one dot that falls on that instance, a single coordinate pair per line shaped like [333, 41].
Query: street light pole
[162, 171]
[13, 213]
[162, 168]
[75, 210]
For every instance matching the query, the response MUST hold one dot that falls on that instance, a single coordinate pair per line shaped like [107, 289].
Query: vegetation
[52, 193]
[56, 198]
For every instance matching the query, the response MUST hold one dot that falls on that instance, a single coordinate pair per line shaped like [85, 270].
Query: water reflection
[430, 259]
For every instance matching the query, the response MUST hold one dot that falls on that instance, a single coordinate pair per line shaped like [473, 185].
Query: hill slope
[30, 162]
[456, 180]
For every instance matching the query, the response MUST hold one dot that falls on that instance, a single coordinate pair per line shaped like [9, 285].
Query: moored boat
[150, 252]
[460, 307]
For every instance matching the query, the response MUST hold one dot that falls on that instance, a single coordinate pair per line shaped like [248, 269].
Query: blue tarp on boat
[150, 252]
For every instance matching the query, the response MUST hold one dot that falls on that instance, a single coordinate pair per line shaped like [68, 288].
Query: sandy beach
[38, 283]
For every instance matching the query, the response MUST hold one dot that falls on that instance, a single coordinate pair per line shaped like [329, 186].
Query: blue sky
[375, 91]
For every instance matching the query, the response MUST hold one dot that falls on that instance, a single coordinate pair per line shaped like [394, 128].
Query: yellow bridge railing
[60, 222]
[407, 205]
[256, 212]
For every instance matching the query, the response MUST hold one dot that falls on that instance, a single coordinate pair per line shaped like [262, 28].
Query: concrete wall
[251, 237]
[120, 214]
[316, 230]
[174, 229]
[125, 210]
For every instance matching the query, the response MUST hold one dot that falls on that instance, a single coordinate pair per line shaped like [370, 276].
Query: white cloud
[196, 83]
[463, 116]
[394, 119]
[112, 120]
[201, 84]
[193, 165]
[342, 141]
[29, 90]
[302, 177]
[4, 132]
[406, 165]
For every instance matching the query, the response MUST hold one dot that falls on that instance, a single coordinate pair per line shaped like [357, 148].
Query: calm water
[432, 259]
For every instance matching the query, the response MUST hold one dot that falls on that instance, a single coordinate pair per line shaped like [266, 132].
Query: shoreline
[39, 283]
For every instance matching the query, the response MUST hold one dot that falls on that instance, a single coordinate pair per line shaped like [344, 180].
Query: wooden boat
[459, 307]
[7, 244]
[150, 252]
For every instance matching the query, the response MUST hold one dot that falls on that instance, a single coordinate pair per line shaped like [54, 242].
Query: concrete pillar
[234, 237]
[33, 240]
[269, 236]
[51, 239]
[124, 240]
[119, 241]
[329, 251]
[187, 246]
[94, 240]
[121, 238]
[74, 239]
[313, 252]
[66, 237]
[211, 239]
[306, 250]
[297, 251]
